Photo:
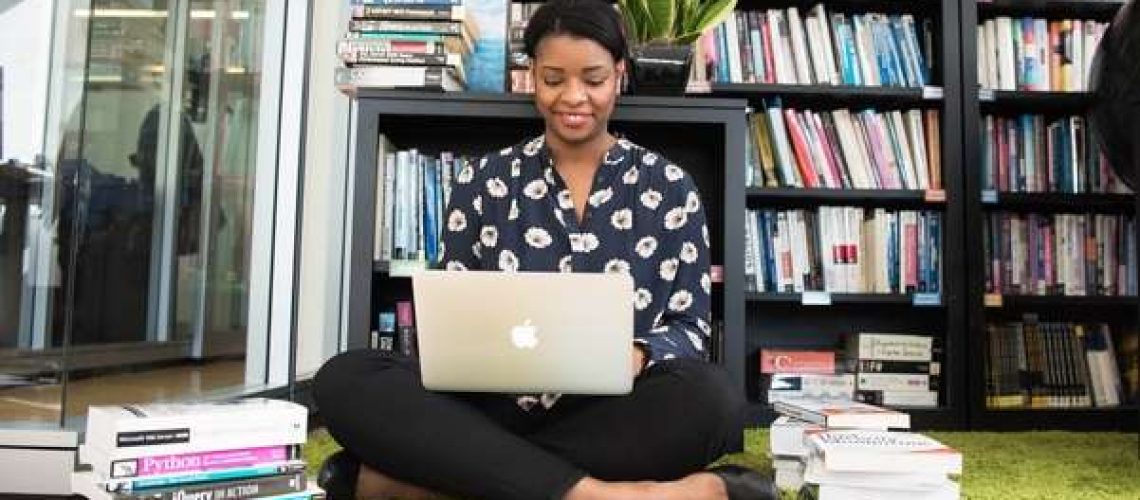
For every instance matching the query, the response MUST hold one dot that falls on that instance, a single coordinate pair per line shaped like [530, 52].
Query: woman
[574, 200]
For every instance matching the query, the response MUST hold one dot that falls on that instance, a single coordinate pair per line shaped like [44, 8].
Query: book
[815, 473]
[786, 436]
[879, 451]
[840, 414]
[86, 483]
[947, 491]
[796, 361]
[199, 462]
[149, 484]
[789, 473]
[406, 329]
[444, 78]
[891, 347]
[385, 338]
[810, 385]
[134, 431]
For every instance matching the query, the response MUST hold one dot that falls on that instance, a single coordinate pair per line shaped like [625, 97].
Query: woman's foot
[703, 486]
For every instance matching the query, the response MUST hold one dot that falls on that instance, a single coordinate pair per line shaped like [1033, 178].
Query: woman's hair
[595, 20]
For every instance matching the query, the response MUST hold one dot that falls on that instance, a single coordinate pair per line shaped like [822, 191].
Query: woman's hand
[638, 360]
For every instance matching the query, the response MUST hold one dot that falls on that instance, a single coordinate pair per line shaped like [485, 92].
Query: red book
[800, 147]
[793, 361]
[769, 60]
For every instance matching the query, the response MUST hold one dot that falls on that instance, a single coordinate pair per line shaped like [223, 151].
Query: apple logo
[525, 336]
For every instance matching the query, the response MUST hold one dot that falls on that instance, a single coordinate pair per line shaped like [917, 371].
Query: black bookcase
[782, 319]
[704, 136]
[1119, 311]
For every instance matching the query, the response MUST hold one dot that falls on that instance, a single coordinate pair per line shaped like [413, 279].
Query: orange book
[808, 170]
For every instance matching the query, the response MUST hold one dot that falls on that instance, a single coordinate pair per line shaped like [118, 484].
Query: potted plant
[661, 35]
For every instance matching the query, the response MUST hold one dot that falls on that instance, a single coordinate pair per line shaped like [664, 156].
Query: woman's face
[576, 85]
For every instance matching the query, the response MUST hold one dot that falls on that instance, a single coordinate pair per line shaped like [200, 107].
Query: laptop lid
[524, 332]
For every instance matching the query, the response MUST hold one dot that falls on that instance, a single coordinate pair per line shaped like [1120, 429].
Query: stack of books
[802, 417]
[863, 464]
[402, 44]
[895, 369]
[249, 448]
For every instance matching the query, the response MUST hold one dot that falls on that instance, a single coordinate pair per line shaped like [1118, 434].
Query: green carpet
[1005, 466]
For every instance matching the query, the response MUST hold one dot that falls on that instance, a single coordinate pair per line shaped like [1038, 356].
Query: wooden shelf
[1083, 9]
[904, 299]
[796, 197]
[830, 95]
[1060, 202]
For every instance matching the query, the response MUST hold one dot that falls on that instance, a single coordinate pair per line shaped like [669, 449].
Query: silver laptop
[524, 332]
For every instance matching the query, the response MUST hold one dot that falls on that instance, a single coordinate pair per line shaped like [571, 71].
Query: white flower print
[660, 329]
[622, 220]
[516, 167]
[668, 269]
[442, 248]
[692, 202]
[669, 356]
[465, 175]
[612, 161]
[617, 266]
[564, 264]
[673, 173]
[477, 204]
[651, 199]
[531, 148]
[583, 242]
[705, 234]
[631, 176]
[508, 262]
[549, 175]
[496, 187]
[565, 202]
[457, 221]
[706, 283]
[688, 252]
[646, 246]
[561, 218]
[601, 196]
[506, 151]
[537, 237]
[704, 326]
[625, 144]
[535, 190]
[676, 218]
[477, 250]
[642, 298]
[482, 162]
[649, 159]
[680, 301]
[698, 342]
[514, 212]
[455, 265]
[489, 236]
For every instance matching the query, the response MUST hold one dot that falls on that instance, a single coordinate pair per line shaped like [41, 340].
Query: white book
[854, 153]
[1077, 69]
[786, 386]
[781, 47]
[732, 40]
[865, 49]
[879, 451]
[382, 150]
[784, 157]
[893, 382]
[445, 78]
[823, 38]
[991, 54]
[786, 436]
[917, 136]
[898, 135]
[892, 347]
[948, 491]
[814, 472]
[827, 253]
[131, 431]
[802, 60]
[801, 268]
[983, 58]
[1007, 64]
[390, 170]
[842, 414]
[915, 399]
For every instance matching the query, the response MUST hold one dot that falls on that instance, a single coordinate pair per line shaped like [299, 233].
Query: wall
[25, 45]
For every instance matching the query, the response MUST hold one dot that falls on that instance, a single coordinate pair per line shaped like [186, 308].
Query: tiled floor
[42, 403]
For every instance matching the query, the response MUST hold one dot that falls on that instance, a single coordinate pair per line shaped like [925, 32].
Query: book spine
[406, 329]
[200, 462]
[425, 12]
[236, 490]
[144, 484]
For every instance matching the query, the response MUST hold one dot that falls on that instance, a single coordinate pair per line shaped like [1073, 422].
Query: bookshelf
[982, 308]
[702, 135]
[815, 320]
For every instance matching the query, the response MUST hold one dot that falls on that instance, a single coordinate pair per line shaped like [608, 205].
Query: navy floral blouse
[512, 212]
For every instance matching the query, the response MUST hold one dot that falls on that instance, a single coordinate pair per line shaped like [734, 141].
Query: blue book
[910, 37]
[845, 41]
[893, 251]
[934, 266]
[763, 220]
[430, 215]
[906, 57]
[722, 73]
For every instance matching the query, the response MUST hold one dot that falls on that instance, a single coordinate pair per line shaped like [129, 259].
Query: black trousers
[681, 415]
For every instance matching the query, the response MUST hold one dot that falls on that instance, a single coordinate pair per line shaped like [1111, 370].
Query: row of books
[1038, 154]
[412, 191]
[521, 79]
[841, 149]
[1060, 254]
[1035, 364]
[1037, 54]
[843, 250]
[785, 47]
[398, 44]
[887, 369]
[396, 331]
[842, 450]
[249, 448]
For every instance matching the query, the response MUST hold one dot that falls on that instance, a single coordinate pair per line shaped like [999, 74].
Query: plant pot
[661, 69]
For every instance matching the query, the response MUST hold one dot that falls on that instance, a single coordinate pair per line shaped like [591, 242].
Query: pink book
[790, 361]
[211, 460]
[911, 249]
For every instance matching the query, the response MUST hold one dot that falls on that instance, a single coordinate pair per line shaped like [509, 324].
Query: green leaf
[710, 14]
[662, 15]
[632, 30]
